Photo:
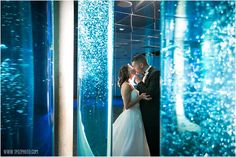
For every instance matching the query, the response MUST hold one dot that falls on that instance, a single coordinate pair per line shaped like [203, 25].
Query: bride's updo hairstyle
[123, 75]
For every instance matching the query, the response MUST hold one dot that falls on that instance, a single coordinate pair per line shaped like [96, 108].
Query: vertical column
[17, 78]
[64, 48]
[95, 59]
[43, 78]
[198, 69]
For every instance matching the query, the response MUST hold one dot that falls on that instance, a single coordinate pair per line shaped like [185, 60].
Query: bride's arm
[126, 94]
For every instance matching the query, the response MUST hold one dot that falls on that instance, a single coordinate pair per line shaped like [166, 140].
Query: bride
[129, 137]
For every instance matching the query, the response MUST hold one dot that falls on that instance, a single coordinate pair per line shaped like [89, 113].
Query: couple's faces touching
[138, 67]
[131, 70]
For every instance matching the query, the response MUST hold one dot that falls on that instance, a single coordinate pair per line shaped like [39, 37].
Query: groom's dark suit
[151, 109]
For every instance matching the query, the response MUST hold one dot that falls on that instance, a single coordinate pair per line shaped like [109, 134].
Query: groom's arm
[152, 88]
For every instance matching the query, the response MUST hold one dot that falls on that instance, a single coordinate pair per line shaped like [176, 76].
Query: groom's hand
[144, 96]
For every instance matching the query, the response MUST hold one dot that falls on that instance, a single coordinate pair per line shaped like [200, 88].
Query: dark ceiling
[137, 27]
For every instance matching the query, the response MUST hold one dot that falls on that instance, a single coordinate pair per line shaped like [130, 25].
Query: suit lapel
[149, 73]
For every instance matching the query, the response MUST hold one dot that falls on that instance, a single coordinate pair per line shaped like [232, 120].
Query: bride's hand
[144, 96]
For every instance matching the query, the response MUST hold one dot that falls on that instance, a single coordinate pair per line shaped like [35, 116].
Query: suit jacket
[150, 109]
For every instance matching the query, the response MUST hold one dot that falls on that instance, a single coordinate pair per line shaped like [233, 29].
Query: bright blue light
[198, 79]
[95, 59]
[3, 46]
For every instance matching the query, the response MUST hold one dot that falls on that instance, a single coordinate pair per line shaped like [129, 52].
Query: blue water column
[198, 78]
[95, 57]
[17, 77]
[26, 78]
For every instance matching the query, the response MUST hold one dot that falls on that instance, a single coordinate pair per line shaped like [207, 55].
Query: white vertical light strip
[110, 68]
[181, 26]
[66, 64]
[53, 75]
[179, 70]
[180, 32]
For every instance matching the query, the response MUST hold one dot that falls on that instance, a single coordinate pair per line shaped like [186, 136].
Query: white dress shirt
[145, 74]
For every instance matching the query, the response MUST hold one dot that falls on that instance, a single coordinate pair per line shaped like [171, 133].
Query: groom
[149, 84]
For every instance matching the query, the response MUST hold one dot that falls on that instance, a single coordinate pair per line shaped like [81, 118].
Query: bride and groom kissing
[136, 130]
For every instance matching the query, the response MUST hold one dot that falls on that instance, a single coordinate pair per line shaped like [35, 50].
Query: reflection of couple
[136, 130]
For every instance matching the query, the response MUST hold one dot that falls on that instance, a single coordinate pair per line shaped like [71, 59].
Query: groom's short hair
[140, 58]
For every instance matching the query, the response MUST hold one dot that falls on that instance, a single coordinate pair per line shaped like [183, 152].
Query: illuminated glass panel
[95, 54]
[26, 78]
[198, 78]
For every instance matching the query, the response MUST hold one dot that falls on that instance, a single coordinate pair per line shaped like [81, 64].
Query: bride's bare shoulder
[126, 86]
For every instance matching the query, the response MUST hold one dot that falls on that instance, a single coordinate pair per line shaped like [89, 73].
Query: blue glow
[110, 52]
[26, 78]
[198, 78]
[3, 46]
[17, 76]
[95, 59]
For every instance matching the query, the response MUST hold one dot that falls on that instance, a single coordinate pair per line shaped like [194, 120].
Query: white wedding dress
[129, 137]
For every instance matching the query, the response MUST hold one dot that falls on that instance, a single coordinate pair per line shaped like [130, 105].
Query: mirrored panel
[198, 78]
[26, 78]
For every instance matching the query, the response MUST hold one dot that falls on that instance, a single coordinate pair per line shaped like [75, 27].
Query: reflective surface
[26, 88]
[95, 50]
[198, 78]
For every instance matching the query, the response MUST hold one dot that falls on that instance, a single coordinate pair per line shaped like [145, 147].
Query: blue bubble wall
[198, 78]
[17, 75]
[95, 54]
[26, 78]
